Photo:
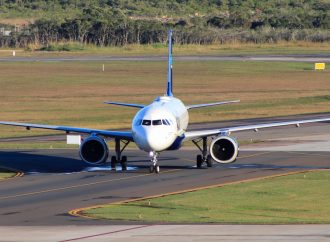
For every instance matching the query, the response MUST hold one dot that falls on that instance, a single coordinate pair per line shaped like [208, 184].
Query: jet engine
[94, 150]
[224, 149]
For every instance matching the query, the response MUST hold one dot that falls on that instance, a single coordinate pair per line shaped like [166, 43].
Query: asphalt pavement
[57, 181]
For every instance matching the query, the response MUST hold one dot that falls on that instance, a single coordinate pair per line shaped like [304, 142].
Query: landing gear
[118, 158]
[123, 163]
[209, 161]
[154, 167]
[204, 157]
[199, 160]
[113, 162]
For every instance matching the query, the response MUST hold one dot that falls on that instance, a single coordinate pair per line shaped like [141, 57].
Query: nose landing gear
[154, 167]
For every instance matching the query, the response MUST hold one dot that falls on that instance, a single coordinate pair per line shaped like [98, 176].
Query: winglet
[169, 91]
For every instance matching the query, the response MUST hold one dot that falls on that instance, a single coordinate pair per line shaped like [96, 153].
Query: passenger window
[157, 122]
[146, 122]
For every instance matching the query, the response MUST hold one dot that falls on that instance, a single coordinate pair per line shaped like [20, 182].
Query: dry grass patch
[73, 93]
[235, 48]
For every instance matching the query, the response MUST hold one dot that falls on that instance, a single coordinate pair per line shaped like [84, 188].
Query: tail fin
[169, 91]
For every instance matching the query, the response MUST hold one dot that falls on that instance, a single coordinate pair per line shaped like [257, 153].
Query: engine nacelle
[224, 149]
[94, 150]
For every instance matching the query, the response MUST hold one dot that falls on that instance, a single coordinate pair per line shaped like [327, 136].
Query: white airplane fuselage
[160, 125]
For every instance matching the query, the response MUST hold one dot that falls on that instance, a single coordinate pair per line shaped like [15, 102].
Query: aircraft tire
[199, 160]
[209, 161]
[151, 169]
[113, 162]
[157, 170]
[124, 163]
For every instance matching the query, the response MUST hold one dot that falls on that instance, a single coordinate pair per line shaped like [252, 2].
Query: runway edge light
[319, 66]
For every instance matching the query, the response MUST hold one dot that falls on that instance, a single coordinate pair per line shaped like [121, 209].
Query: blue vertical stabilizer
[169, 91]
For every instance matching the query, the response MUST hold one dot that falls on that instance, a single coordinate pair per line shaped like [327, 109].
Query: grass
[36, 145]
[76, 49]
[258, 202]
[73, 93]
[4, 174]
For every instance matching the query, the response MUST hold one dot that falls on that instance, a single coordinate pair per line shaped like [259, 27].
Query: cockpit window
[157, 122]
[166, 122]
[146, 122]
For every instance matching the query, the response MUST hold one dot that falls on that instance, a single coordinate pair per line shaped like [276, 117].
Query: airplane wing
[107, 133]
[190, 135]
[211, 104]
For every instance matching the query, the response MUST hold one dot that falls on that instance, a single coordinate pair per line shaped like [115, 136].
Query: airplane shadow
[29, 163]
[36, 163]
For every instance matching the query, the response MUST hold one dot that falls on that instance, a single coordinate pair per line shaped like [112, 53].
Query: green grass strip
[4, 174]
[294, 199]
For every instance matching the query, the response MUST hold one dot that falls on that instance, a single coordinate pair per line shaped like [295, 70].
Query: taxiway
[57, 181]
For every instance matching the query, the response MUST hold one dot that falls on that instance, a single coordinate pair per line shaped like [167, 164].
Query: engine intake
[224, 149]
[94, 150]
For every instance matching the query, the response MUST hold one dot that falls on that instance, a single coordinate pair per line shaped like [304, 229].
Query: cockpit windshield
[146, 122]
[156, 122]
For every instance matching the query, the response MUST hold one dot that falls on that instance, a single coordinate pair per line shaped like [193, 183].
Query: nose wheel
[154, 168]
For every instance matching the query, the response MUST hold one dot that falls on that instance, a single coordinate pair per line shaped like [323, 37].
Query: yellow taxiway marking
[78, 212]
[82, 185]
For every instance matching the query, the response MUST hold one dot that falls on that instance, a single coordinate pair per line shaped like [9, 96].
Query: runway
[289, 58]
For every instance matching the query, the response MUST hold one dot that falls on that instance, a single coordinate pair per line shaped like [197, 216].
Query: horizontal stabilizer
[211, 104]
[126, 104]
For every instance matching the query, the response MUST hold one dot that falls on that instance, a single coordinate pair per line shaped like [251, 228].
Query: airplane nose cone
[156, 141]
[152, 140]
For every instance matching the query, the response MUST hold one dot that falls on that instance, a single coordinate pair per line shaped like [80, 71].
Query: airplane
[159, 126]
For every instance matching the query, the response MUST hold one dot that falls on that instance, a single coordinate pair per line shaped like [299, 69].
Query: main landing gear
[118, 158]
[204, 157]
[154, 167]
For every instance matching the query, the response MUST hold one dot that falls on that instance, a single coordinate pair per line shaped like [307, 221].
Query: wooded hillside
[121, 22]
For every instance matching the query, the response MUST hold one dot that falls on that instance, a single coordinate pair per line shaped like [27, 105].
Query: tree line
[121, 22]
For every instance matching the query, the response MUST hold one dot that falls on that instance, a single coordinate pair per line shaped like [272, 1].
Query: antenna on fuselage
[169, 91]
